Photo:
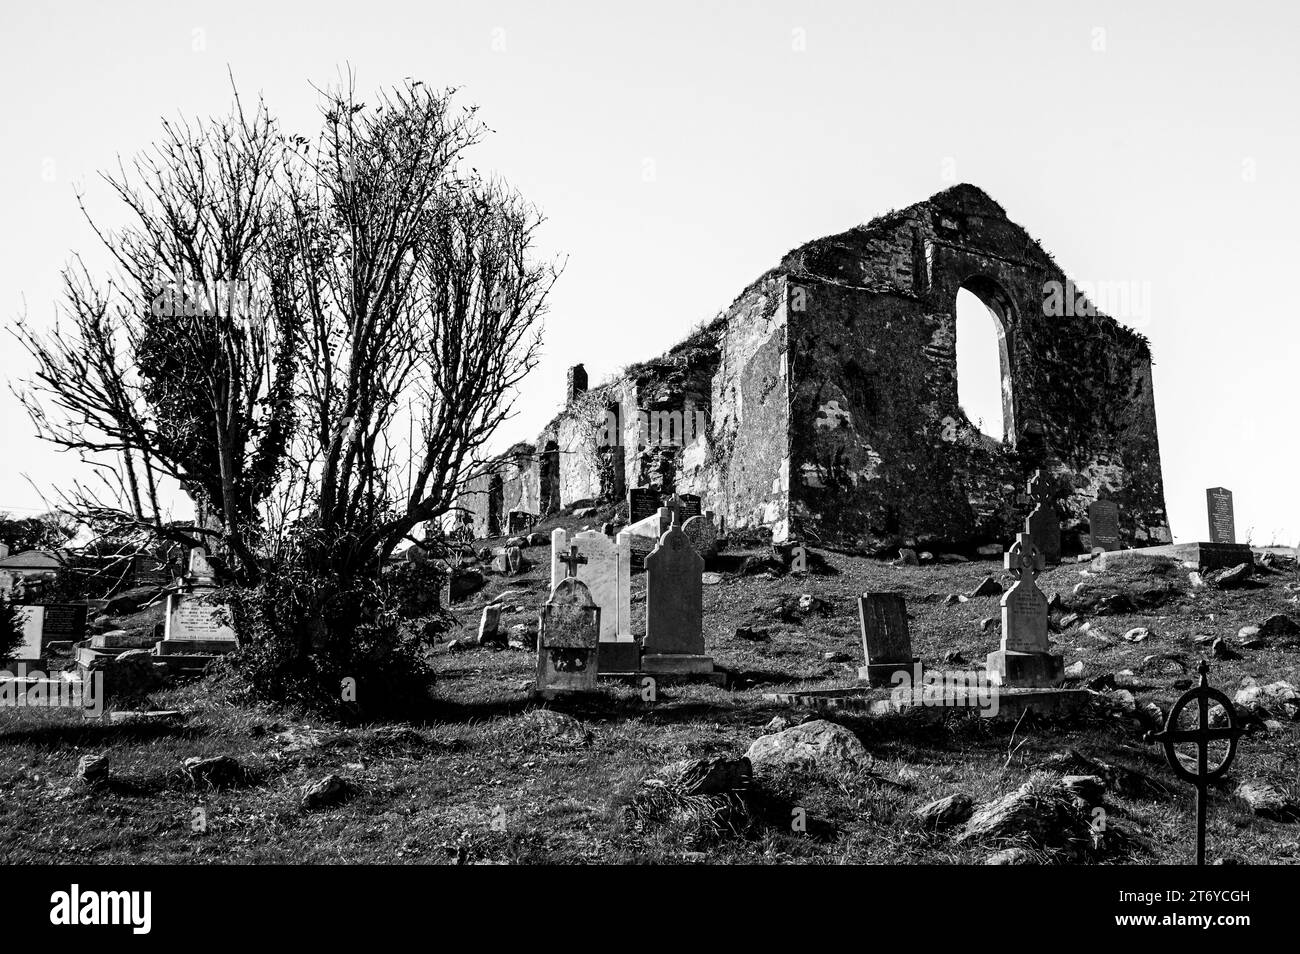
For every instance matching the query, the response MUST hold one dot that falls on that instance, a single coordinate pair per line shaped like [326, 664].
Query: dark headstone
[642, 502]
[1223, 525]
[886, 642]
[1103, 525]
[1042, 524]
[64, 621]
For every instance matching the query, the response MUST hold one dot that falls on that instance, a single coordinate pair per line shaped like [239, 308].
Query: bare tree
[176, 367]
[421, 305]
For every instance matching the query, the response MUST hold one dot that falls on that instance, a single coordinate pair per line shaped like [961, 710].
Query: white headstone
[607, 574]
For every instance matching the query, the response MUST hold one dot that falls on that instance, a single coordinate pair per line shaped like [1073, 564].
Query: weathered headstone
[1223, 525]
[886, 642]
[196, 623]
[702, 534]
[200, 568]
[608, 576]
[1025, 658]
[489, 625]
[1103, 525]
[674, 635]
[520, 521]
[1042, 523]
[568, 637]
[688, 505]
[642, 502]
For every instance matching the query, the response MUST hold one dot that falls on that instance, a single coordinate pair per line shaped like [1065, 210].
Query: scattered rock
[1279, 625]
[1069, 619]
[1276, 698]
[1266, 800]
[946, 812]
[1012, 856]
[813, 604]
[1222, 650]
[953, 657]
[1249, 638]
[1137, 634]
[1043, 811]
[132, 717]
[1087, 789]
[216, 771]
[907, 557]
[836, 657]
[712, 776]
[711, 579]
[991, 550]
[988, 587]
[1196, 580]
[93, 769]
[538, 539]
[329, 790]
[1229, 578]
[953, 599]
[130, 601]
[1074, 670]
[584, 512]
[952, 558]
[520, 542]
[778, 724]
[818, 744]
[754, 633]
[987, 623]
[556, 726]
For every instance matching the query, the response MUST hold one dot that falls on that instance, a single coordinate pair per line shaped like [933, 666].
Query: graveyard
[517, 760]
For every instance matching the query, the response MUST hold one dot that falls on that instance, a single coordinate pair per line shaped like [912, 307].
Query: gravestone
[1103, 525]
[200, 569]
[1025, 658]
[1223, 525]
[607, 573]
[568, 637]
[643, 536]
[197, 622]
[33, 624]
[1042, 523]
[702, 534]
[520, 521]
[688, 505]
[1223, 550]
[674, 633]
[642, 502]
[886, 642]
[65, 621]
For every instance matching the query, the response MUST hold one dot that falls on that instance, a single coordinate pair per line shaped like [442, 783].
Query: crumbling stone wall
[881, 450]
[829, 394]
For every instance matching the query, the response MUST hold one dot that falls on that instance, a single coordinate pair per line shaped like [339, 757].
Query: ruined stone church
[822, 405]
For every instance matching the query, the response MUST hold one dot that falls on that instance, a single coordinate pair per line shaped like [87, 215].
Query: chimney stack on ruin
[577, 383]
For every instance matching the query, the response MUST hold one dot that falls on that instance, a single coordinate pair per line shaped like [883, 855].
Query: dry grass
[475, 781]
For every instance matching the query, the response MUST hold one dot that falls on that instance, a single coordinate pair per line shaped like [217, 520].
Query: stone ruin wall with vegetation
[830, 391]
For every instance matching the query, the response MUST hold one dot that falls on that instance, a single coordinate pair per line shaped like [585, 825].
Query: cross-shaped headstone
[1200, 735]
[571, 560]
[1025, 559]
[674, 506]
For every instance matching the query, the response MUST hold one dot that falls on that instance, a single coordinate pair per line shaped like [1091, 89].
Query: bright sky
[679, 149]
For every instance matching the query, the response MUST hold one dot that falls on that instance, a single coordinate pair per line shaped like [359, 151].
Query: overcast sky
[679, 149]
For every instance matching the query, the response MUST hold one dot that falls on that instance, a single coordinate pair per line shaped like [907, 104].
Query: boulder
[1229, 578]
[556, 726]
[1042, 812]
[324, 792]
[946, 812]
[711, 776]
[907, 557]
[1266, 800]
[988, 587]
[1279, 625]
[216, 771]
[93, 769]
[130, 601]
[818, 745]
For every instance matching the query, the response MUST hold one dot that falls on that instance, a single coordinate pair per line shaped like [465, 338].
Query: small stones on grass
[93, 769]
[946, 812]
[987, 587]
[1137, 634]
[1222, 650]
[215, 771]
[324, 792]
